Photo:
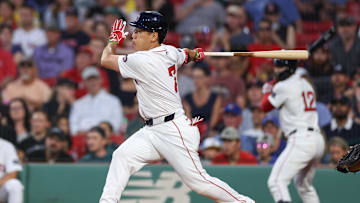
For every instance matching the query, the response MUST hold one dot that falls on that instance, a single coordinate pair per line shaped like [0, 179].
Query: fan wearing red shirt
[232, 155]
[82, 61]
[7, 68]
[264, 42]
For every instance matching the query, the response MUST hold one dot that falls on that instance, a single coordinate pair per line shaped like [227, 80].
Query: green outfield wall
[158, 183]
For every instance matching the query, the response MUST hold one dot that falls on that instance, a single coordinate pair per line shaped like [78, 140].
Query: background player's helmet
[152, 21]
[290, 65]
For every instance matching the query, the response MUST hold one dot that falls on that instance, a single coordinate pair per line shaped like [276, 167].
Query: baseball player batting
[294, 96]
[168, 133]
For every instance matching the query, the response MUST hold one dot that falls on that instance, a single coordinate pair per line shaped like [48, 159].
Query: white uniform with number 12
[154, 73]
[295, 98]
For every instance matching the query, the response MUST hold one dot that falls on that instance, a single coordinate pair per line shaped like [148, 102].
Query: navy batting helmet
[152, 21]
[290, 65]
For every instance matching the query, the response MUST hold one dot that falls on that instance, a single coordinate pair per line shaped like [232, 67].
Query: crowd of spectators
[59, 105]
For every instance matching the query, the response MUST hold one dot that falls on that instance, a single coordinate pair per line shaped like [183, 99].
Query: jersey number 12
[309, 101]
[172, 73]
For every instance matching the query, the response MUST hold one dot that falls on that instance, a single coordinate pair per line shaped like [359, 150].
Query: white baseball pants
[12, 192]
[176, 141]
[304, 148]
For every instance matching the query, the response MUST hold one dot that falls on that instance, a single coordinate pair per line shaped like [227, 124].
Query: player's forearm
[7, 177]
[108, 57]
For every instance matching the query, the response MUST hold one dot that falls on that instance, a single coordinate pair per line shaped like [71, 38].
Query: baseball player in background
[11, 189]
[295, 97]
[168, 133]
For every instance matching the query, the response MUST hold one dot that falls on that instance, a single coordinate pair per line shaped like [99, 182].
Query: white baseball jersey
[296, 99]
[9, 161]
[155, 77]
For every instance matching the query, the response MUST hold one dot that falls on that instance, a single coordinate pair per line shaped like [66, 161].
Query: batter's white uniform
[12, 190]
[154, 73]
[295, 98]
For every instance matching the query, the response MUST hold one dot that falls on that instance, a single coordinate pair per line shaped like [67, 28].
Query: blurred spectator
[97, 10]
[28, 86]
[127, 95]
[248, 137]
[54, 57]
[62, 99]
[7, 13]
[97, 46]
[196, 15]
[167, 9]
[28, 36]
[232, 116]
[235, 32]
[39, 125]
[319, 63]
[231, 150]
[111, 14]
[54, 151]
[202, 102]
[224, 83]
[263, 148]
[338, 147]
[288, 12]
[11, 189]
[264, 42]
[83, 59]
[56, 13]
[96, 144]
[73, 36]
[95, 107]
[209, 149]
[19, 119]
[283, 35]
[342, 124]
[109, 133]
[310, 10]
[353, 9]
[6, 132]
[7, 68]
[271, 126]
[88, 27]
[356, 100]
[246, 114]
[345, 48]
[339, 85]
[62, 122]
[6, 36]
[254, 93]
[101, 31]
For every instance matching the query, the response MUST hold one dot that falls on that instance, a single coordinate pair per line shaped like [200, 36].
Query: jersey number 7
[172, 73]
[309, 101]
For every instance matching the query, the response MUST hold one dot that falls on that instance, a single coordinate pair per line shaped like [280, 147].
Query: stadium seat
[316, 27]
[303, 40]
[118, 139]
[79, 145]
[172, 38]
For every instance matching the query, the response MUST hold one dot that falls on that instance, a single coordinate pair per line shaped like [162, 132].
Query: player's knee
[14, 185]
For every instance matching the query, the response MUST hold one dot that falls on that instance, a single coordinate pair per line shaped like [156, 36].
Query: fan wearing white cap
[209, 148]
[96, 106]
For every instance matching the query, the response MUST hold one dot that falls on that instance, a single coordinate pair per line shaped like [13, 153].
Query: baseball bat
[324, 38]
[280, 54]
